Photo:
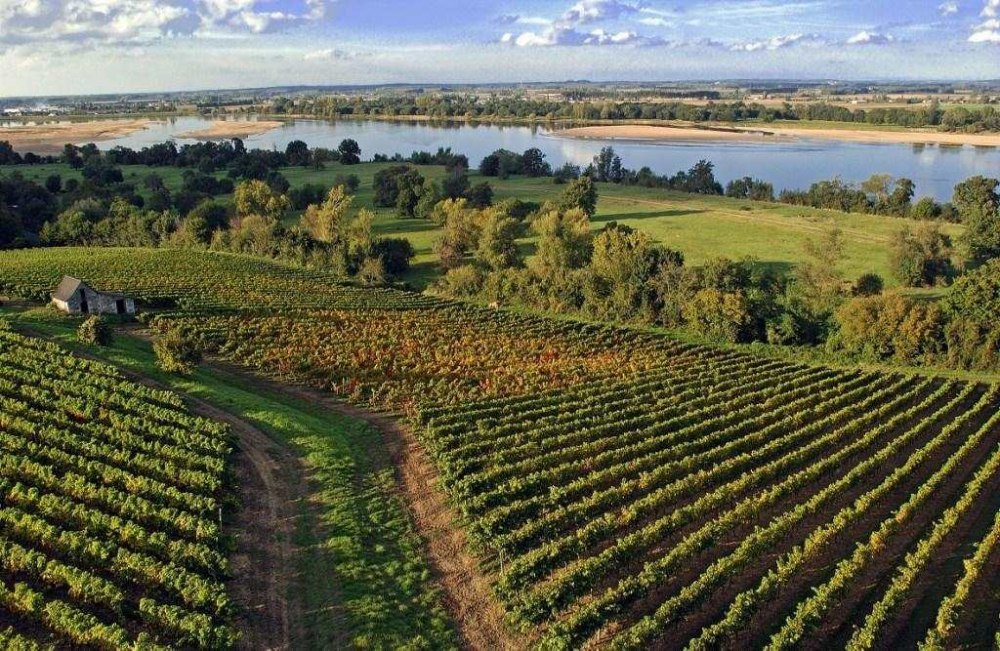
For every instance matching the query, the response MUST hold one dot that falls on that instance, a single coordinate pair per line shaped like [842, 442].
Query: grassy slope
[358, 541]
[702, 227]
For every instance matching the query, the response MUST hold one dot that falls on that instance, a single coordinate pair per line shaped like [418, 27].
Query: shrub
[177, 353]
[868, 284]
[461, 282]
[721, 316]
[95, 330]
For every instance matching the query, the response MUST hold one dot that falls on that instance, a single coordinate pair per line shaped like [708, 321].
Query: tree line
[450, 106]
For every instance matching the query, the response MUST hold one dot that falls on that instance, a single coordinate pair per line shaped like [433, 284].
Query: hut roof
[70, 285]
[67, 287]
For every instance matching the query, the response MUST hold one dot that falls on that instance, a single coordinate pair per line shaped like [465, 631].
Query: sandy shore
[49, 137]
[651, 132]
[221, 129]
[664, 133]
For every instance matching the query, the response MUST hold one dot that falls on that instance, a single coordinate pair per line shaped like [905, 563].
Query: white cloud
[329, 54]
[533, 20]
[128, 22]
[988, 31]
[948, 8]
[590, 11]
[866, 37]
[600, 37]
[656, 21]
[774, 43]
[564, 29]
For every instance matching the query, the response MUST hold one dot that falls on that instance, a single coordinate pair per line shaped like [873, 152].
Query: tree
[455, 184]
[372, 272]
[925, 209]
[533, 163]
[750, 188]
[480, 195]
[95, 330]
[564, 242]
[411, 188]
[976, 296]
[350, 152]
[459, 236]
[621, 265]
[877, 185]
[386, 185]
[919, 258]
[899, 201]
[11, 231]
[607, 166]
[215, 214]
[297, 153]
[498, 240]
[350, 182]
[817, 286]
[395, 254]
[580, 194]
[889, 326]
[325, 221]
[177, 353]
[53, 183]
[978, 204]
[720, 316]
[257, 198]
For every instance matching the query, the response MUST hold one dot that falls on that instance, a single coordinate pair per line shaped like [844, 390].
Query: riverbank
[50, 137]
[222, 129]
[770, 133]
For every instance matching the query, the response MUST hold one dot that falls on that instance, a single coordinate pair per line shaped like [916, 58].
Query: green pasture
[701, 227]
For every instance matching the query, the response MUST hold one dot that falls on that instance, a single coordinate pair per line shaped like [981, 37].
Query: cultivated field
[112, 496]
[624, 489]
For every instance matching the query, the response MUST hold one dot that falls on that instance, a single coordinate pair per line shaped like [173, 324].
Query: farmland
[619, 487]
[111, 500]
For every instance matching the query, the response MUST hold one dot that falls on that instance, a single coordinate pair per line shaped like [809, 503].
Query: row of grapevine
[110, 499]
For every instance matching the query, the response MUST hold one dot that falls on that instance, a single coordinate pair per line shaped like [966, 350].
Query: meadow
[701, 227]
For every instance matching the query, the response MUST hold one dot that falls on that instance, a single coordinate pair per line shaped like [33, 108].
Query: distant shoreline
[668, 133]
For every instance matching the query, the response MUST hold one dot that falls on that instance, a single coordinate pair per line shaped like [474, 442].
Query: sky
[52, 47]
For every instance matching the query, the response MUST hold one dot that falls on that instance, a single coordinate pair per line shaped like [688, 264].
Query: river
[789, 164]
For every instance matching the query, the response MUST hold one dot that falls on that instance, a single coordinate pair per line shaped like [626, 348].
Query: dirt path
[271, 482]
[468, 597]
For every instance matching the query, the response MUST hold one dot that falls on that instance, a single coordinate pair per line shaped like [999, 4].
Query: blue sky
[77, 46]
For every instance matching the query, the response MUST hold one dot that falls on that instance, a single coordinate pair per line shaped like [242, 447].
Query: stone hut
[77, 297]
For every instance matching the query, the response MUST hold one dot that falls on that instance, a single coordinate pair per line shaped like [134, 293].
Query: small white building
[77, 297]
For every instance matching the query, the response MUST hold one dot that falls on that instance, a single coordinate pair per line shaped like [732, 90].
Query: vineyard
[624, 489]
[110, 512]
[725, 502]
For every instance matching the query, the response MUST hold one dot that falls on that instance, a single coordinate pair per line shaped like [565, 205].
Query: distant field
[702, 227]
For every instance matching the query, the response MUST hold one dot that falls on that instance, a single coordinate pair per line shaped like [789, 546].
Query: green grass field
[701, 227]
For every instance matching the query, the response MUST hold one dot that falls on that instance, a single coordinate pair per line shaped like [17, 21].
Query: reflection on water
[787, 164]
